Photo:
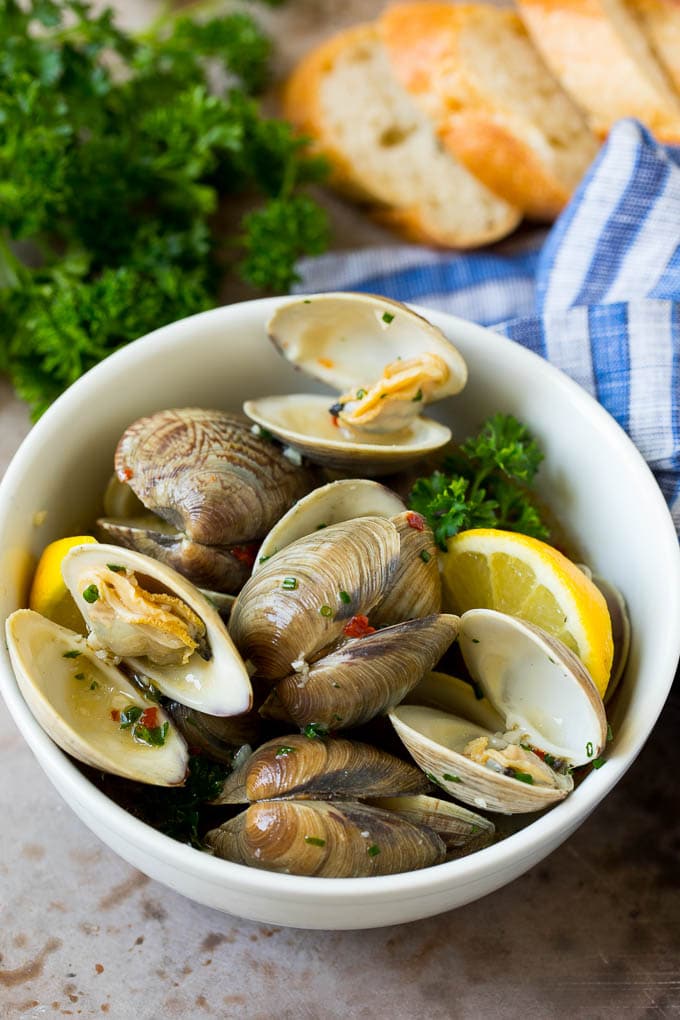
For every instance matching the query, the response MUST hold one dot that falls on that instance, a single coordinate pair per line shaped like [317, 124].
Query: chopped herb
[610, 734]
[314, 730]
[451, 779]
[373, 850]
[284, 750]
[315, 841]
[425, 556]
[597, 763]
[307, 301]
[524, 777]
[130, 715]
[552, 660]
[479, 693]
[116, 568]
[335, 684]
[336, 718]
[289, 583]
[263, 559]
[264, 434]
[475, 640]
[79, 676]
[153, 736]
[94, 685]
[387, 317]
[320, 526]
[589, 749]
[73, 654]
[418, 397]
[474, 828]
[345, 597]
[361, 394]
[91, 593]
[326, 611]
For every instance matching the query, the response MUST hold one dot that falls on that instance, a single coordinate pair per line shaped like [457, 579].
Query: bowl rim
[548, 829]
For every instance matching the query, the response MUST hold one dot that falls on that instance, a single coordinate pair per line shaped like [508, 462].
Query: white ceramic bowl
[593, 477]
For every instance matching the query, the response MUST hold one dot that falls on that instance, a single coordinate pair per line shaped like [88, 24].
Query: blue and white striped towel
[599, 296]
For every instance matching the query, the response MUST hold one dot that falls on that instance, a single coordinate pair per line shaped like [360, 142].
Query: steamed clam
[386, 362]
[141, 611]
[89, 707]
[213, 486]
[552, 712]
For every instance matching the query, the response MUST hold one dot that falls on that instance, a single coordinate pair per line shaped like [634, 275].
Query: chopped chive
[425, 556]
[524, 777]
[154, 736]
[78, 676]
[94, 685]
[334, 684]
[552, 660]
[289, 583]
[451, 779]
[116, 568]
[73, 654]
[610, 735]
[263, 559]
[373, 850]
[597, 763]
[91, 593]
[130, 715]
[387, 317]
[314, 730]
[345, 597]
[361, 394]
[474, 828]
[284, 750]
[326, 611]
[475, 640]
[589, 749]
[320, 526]
[336, 718]
[307, 301]
[315, 841]
[418, 397]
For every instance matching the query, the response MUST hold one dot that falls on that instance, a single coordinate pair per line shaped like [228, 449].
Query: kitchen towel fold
[598, 296]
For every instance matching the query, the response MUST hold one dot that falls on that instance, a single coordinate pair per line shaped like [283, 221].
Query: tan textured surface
[592, 933]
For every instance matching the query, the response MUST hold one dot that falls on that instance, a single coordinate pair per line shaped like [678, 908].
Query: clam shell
[618, 612]
[458, 697]
[345, 339]
[72, 697]
[301, 768]
[208, 475]
[219, 737]
[365, 676]
[462, 830]
[436, 740]
[302, 421]
[333, 503]
[281, 616]
[218, 684]
[416, 588]
[342, 839]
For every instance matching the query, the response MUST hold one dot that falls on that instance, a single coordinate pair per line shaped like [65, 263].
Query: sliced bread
[601, 55]
[661, 23]
[497, 107]
[384, 150]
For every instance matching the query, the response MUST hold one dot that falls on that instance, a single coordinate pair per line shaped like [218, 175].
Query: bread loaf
[660, 20]
[496, 106]
[601, 55]
[384, 150]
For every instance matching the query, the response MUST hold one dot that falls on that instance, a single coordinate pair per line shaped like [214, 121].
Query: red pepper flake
[334, 419]
[125, 474]
[415, 520]
[358, 627]
[326, 362]
[115, 715]
[245, 553]
[149, 718]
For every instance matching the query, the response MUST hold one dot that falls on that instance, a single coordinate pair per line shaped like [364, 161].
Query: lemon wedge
[512, 573]
[49, 595]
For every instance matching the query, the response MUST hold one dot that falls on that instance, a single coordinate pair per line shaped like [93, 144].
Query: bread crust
[508, 151]
[660, 21]
[301, 102]
[600, 54]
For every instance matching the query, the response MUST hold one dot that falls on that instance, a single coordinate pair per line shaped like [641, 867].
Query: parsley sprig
[120, 155]
[484, 484]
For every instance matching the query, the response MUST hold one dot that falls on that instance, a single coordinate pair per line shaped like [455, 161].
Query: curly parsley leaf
[502, 456]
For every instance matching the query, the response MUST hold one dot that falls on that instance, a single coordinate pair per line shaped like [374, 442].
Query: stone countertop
[592, 932]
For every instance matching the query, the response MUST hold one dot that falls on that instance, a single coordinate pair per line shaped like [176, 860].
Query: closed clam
[219, 737]
[301, 768]
[89, 707]
[365, 676]
[341, 839]
[462, 831]
[552, 712]
[385, 361]
[218, 486]
[141, 611]
[300, 601]
[416, 588]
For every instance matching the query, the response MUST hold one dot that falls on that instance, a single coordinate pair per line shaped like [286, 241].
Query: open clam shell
[302, 421]
[342, 839]
[299, 602]
[618, 613]
[458, 697]
[333, 503]
[165, 629]
[78, 699]
[365, 676]
[301, 768]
